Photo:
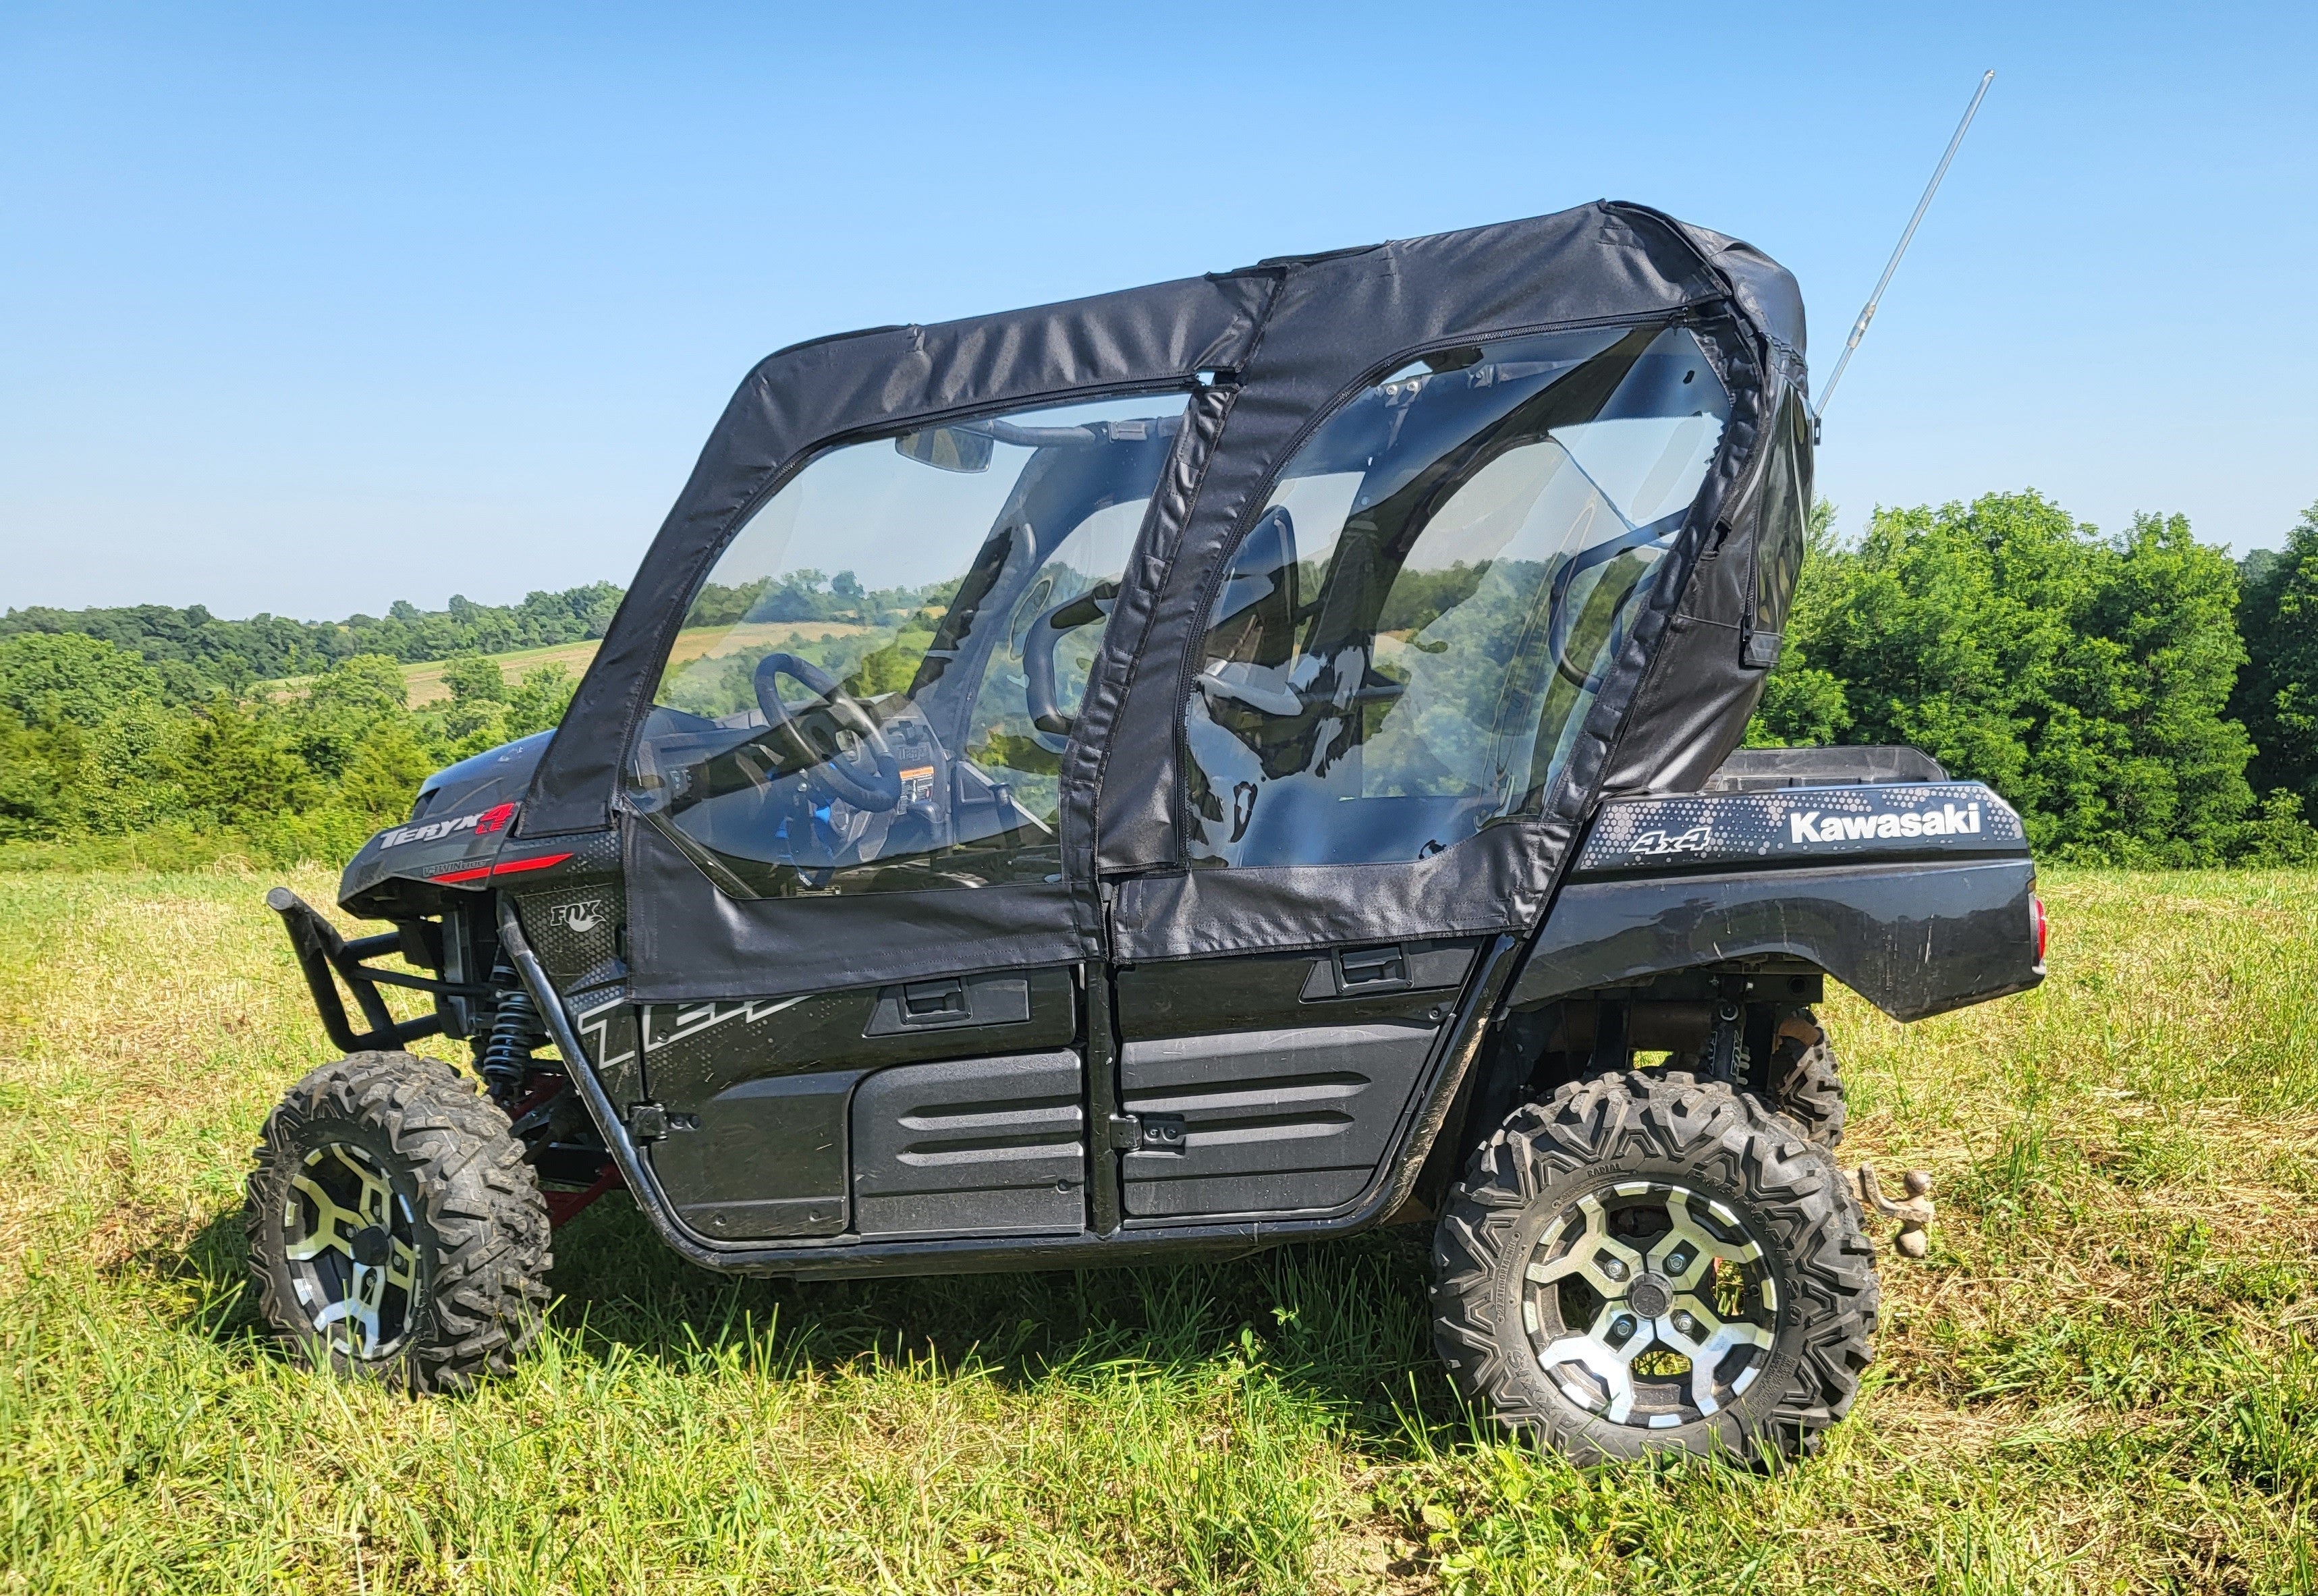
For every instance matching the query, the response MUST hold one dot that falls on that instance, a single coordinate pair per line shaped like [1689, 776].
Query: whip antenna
[1859, 328]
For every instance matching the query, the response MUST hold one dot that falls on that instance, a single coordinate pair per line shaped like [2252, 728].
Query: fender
[1918, 895]
[1914, 939]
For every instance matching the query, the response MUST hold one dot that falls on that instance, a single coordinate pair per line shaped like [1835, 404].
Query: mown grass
[2102, 1379]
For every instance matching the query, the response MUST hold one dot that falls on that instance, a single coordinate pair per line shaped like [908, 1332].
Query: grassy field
[2102, 1379]
[427, 688]
[425, 679]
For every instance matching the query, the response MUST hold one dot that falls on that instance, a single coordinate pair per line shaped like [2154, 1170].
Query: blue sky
[306, 308]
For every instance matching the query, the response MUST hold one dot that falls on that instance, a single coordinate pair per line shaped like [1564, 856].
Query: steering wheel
[860, 768]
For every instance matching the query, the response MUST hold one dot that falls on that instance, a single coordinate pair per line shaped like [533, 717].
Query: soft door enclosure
[1229, 660]
[1307, 601]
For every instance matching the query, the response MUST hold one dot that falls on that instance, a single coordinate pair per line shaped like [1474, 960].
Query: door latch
[1146, 1132]
[1162, 1133]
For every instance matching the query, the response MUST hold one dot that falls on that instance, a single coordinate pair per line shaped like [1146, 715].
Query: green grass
[2102, 1379]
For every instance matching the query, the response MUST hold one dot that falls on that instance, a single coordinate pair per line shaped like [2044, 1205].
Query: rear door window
[1404, 645]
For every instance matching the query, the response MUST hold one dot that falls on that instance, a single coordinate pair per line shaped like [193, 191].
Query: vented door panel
[994, 1146]
[1265, 1121]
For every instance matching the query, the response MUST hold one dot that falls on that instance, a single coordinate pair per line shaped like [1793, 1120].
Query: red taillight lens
[2044, 927]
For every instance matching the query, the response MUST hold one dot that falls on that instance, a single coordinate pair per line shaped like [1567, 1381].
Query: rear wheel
[1650, 1263]
[1805, 1079]
[394, 1229]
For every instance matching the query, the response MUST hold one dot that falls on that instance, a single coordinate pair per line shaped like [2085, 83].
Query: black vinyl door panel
[1273, 1083]
[759, 1097]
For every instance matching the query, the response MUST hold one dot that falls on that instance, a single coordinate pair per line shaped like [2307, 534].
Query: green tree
[473, 679]
[39, 779]
[2277, 695]
[1801, 707]
[237, 769]
[477, 704]
[341, 708]
[54, 679]
[366, 684]
[538, 701]
[2162, 607]
[127, 780]
[383, 775]
[2085, 678]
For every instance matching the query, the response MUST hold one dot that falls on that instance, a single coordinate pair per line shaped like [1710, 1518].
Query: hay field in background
[427, 688]
[2102, 1379]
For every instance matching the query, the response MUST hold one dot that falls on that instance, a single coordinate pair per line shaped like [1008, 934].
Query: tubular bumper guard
[320, 951]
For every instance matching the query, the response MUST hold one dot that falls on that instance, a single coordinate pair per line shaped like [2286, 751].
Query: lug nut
[1684, 1324]
[1613, 1268]
[1677, 1263]
[1623, 1327]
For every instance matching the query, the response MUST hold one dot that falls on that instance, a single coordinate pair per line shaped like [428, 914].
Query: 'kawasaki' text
[1808, 825]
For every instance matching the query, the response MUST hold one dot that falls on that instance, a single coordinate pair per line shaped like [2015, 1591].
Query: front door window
[872, 689]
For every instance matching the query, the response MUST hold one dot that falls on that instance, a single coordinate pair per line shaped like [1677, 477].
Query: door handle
[934, 1002]
[1372, 969]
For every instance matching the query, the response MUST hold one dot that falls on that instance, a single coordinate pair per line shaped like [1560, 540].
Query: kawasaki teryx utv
[1238, 761]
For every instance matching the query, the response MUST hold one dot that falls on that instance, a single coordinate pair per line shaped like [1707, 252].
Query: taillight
[2044, 927]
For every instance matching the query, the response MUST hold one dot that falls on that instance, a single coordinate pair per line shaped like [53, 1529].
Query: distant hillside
[196, 653]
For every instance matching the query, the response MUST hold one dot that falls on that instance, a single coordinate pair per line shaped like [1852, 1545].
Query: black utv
[1238, 761]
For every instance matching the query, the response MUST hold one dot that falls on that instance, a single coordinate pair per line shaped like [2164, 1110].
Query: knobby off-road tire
[1671, 1220]
[395, 1230]
[1804, 1079]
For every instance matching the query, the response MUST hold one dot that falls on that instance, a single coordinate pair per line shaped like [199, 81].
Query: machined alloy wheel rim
[1649, 1304]
[352, 1243]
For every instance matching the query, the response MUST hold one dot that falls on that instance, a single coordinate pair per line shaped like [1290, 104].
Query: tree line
[2139, 697]
[103, 760]
[196, 656]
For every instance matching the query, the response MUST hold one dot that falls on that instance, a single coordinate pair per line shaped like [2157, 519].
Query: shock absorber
[516, 1030]
[1726, 1052]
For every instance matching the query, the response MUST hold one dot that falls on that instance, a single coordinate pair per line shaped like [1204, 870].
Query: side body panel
[989, 1146]
[1912, 939]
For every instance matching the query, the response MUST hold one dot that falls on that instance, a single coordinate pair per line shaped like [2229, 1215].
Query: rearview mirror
[947, 448]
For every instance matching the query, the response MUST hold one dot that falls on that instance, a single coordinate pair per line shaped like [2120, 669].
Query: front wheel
[394, 1229]
[1648, 1263]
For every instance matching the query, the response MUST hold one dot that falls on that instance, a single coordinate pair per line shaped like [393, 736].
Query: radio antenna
[1866, 315]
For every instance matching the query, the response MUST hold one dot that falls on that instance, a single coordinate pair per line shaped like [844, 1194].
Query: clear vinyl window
[1406, 643]
[1781, 533]
[873, 688]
